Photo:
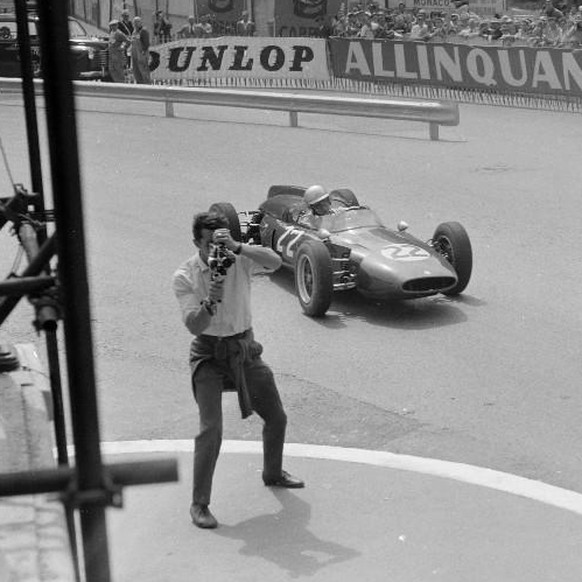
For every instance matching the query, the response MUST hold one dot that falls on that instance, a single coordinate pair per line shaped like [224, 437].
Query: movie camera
[220, 258]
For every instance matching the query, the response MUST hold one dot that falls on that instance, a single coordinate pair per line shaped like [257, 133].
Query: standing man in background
[216, 308]
[117, 52]
[162, 28]
[125, 24]
[245, 27]
[140, 52]
[190, 30]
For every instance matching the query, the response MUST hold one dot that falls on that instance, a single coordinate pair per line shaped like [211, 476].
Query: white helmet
[315, 194]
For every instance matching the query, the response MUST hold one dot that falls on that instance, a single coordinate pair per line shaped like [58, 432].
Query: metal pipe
[61, 431]
[37, 265]
[24, 285]
[30, 110]
[62, 133]
[61, 478]
[57, 395]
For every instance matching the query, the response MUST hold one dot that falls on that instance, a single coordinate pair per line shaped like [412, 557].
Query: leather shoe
[202, 517]
[285, 480]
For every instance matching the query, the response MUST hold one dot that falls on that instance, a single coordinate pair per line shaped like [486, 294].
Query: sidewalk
[34, 545]
[352, 522]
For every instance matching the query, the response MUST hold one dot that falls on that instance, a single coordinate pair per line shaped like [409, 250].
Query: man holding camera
[213, 291]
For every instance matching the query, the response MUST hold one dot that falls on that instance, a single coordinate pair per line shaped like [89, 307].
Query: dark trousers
[208, 384]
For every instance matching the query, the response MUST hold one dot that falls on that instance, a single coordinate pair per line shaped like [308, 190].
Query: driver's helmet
[315, 194]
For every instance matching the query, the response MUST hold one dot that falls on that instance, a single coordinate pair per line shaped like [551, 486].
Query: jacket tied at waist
[229, 354]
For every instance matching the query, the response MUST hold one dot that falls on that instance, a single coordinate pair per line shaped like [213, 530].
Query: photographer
[213, 291]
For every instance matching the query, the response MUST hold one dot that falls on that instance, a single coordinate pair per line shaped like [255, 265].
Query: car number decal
[405, 252]
[288, 240]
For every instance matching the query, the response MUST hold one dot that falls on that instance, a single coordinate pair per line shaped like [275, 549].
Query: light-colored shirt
[191, 284]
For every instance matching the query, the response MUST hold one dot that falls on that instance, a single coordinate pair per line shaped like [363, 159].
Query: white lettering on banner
[356, 59]
[297, 58]
[422, 53]
[378, 61]
[544, 71]
[506, 71]
[400, 59]
[527, 69]
[431, 3]
[452, 64]
[571, 68]
[481, 7]
[475, 57]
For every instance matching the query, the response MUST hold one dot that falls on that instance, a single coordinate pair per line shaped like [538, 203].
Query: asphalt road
[491, 379]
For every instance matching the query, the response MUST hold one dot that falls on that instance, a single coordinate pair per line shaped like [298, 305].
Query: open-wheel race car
[352, 249]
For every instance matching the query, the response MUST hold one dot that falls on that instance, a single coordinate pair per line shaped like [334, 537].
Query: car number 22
[288, 241]
[404, 252]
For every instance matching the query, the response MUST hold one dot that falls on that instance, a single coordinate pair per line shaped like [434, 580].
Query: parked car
[89, 54]
[352, 249]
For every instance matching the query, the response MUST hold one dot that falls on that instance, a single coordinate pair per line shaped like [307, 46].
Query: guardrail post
[170, 109]
[434, 131]
[293, 119]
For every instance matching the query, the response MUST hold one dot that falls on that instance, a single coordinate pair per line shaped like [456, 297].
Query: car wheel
[313, 278]
[344, 196]
[451, 240]
[229, 211]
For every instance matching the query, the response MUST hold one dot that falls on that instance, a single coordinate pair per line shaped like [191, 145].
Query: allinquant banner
[503, 69]
[231, 56]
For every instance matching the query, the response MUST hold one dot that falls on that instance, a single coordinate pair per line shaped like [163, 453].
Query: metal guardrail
[435, 113]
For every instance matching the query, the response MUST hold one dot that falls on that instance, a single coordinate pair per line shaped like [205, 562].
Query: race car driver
[317, 199]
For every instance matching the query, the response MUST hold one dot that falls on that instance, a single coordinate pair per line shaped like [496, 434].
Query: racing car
[352, 249]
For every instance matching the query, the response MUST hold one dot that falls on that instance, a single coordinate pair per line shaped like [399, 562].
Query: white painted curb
[480, 476]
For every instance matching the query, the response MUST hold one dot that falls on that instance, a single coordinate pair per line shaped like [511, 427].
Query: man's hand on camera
[223, 236]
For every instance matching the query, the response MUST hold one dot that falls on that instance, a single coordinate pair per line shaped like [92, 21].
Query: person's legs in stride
[207, 386]
[267, 404]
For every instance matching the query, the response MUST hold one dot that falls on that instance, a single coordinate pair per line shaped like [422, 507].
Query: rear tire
[227, 210]
[451, 240]
[313, 278]
[278, 190]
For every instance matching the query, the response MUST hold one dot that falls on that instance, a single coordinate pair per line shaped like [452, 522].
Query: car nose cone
[389, 272]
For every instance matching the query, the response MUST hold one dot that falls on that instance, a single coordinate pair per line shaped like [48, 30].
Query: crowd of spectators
[552, 26]
[203, 26]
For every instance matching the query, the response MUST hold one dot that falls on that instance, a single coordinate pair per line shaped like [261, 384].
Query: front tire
[313, 278]
[451, 240]
[229, 212]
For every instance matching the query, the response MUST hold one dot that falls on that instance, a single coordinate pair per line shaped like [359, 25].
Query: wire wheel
[451, 240]
[313, 278]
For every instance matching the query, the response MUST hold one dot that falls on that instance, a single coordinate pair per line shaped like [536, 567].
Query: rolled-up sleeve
[188, 296]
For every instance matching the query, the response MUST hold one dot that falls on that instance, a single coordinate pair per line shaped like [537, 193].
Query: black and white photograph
[289, 291]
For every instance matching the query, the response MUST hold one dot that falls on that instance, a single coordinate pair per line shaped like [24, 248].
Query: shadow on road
[291, 545]
[430, 312]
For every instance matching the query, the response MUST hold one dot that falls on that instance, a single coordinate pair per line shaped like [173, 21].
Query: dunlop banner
[513, 69]
[231, 56]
